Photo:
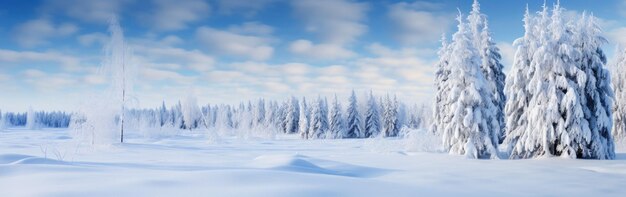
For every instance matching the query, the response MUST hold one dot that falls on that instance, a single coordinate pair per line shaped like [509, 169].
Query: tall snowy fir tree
[390, 117]
[2, 121]
[569, 92]
[353, 120]
[372, 118]
[619, 85]
[490, 64]
[319, 120]
[31, 119]
[597, 92]
[441, 110]
[517, 93]
[303, 123]
[469, 131]
[336, 127]
[259, 113]
[292, 116]
[190, 112]
[163, 115]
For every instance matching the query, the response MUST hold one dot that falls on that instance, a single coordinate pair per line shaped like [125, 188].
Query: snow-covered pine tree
[293, 112]
[597, 91]
[271, 113]
[190, 112]
[281, 116]
[400, 114]
[336, 127]
[372, 118]
[619, 85]
[490, 64]
[259, 113]
[441, 110]
[163, 115]
[319, 120]
[517, 93]
[390, 117]
[2, 121]
[31, 119]
[469, 132]
[353, 120]
[303, 124]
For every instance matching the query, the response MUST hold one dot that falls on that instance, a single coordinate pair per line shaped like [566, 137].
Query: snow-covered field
[49, 163]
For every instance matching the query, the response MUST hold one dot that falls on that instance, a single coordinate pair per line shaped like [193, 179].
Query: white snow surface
[50, 163]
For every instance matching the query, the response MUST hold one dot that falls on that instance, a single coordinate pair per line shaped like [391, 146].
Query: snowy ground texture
[50, 163]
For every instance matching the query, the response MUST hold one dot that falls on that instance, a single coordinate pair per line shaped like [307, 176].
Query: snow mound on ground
[304, 164]
[421, 140]
[14, 159]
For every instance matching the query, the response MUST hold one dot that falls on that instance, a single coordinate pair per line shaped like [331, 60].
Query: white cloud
[508, 54]
[320, 51]
[334, 21]
[160, 75]
[97, 11]
[171, 58]
[93, 38]
[5, 77]
[252, 28]
[69, 63]
[94, 79]
[172, 40]
[622, 8]
[171, 15]
[418, 21]
[30, 73]
[250, 46]
[246, 7]
[47, 82]
[617, 36]
[37, 32]
[381, 50]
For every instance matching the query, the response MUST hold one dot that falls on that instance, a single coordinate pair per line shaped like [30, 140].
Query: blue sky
[233, 50]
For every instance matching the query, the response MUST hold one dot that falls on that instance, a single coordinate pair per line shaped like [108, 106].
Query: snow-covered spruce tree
[441, 110]
[469, 132]
[259, 113]
[516, 88]
[281, 116]
[293, 112]
[353, 121]
[597, 91]
[619, 85]
[271, 114]
[319, 120]
[336, 127]
[303, 124]
[390, 117]
[190, 112]
[568, 113]
[32, 121]
[2, 121]
[491, 65]
[163, 115]
[372, 118]
[403, 116]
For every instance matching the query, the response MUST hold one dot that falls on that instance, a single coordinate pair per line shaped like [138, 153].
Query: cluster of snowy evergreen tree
[556, 101]
[35, 119]
[318, 119]
[559, 86]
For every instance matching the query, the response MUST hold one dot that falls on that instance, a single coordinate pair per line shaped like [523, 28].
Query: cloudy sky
[233, 50]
